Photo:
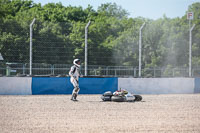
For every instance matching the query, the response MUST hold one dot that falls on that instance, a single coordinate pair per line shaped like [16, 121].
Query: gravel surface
[58, 114]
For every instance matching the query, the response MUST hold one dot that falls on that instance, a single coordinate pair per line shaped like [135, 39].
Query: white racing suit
[74, 74]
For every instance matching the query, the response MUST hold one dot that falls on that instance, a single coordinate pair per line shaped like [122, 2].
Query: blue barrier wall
[54, 85]
[197, 85]
[62, 85]
[98, 85]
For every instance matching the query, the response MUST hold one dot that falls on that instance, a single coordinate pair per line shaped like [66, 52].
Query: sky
[152, 9]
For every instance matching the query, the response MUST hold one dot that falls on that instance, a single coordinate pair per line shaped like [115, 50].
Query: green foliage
[59, 35]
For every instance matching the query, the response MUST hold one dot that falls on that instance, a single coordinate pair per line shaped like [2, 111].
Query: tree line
[59, 35]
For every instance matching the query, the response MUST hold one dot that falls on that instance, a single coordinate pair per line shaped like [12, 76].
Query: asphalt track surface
[57, 114]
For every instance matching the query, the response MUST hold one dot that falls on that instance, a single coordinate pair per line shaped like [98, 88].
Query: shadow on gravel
[114, 102]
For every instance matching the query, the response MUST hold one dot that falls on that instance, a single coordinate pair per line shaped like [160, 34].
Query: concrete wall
[15, 86]
[157, 85]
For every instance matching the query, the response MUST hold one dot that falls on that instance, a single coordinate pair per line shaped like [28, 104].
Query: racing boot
[75, 96]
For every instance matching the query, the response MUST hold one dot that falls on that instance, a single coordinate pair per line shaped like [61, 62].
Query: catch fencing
[56, 44]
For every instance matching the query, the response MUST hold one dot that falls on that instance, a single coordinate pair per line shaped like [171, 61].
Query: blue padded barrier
[51, 85]
[197, 85]
[62, 85]
[98, 85]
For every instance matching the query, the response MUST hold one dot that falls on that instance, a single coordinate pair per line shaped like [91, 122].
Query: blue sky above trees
[152, 9]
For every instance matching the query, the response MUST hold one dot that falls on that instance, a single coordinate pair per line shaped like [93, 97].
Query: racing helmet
[75, 62]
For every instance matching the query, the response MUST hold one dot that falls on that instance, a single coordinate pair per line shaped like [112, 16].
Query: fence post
[190, 50]
[52, 69]
[135, 72]
[107, 71]
[86, 49]
[140, 48]
[31, 43]
[95, 72]
[8, 70]
[23, 69]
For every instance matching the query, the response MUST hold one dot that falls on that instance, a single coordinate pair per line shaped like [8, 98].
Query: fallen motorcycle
[120, 96]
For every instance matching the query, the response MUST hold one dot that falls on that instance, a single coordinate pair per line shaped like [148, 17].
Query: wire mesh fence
[56, 44]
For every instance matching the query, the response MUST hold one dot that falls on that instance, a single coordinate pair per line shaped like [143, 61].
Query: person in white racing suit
[75, 74]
